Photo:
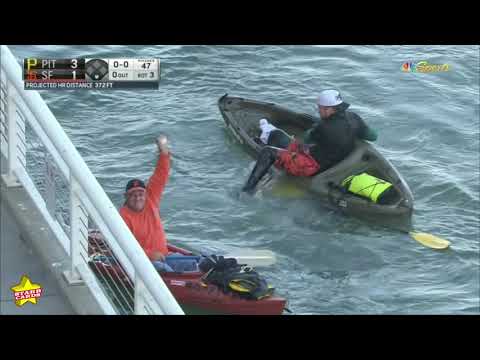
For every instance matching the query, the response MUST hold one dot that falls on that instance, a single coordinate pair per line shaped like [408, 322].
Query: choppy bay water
[428, 126]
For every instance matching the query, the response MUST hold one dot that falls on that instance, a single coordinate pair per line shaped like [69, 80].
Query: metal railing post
[12, 162]
[78, 230]
[138, 298]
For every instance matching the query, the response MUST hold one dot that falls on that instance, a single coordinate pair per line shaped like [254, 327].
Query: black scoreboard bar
[94, 73]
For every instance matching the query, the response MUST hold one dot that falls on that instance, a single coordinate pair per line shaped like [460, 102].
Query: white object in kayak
[266, 128]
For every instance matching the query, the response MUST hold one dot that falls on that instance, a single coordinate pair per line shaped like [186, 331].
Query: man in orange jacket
[142, 215]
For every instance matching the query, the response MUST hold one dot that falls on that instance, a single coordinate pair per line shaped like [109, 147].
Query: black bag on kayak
[230, 276]
[249, 284]
[217, 262]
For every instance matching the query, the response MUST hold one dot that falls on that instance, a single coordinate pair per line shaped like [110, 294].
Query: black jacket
[334, 138]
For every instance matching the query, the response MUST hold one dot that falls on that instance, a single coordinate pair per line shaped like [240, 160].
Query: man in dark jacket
[326, 144]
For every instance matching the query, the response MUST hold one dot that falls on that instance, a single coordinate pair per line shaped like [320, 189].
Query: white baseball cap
[331, 98]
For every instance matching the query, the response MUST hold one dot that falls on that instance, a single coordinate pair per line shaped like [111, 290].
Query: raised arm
[159, 179]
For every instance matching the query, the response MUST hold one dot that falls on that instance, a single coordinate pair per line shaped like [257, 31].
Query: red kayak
[193, 295]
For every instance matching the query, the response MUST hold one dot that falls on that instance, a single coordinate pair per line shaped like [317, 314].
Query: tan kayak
[242, 117]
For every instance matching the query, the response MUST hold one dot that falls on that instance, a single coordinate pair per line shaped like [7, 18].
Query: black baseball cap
[134, 184]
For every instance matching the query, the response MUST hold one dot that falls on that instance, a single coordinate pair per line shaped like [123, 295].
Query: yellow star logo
[26, 291]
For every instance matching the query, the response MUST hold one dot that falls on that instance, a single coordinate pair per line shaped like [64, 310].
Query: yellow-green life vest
[366, 185]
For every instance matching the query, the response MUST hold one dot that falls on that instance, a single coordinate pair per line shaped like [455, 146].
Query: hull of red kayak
[194, 296]
[191, 292]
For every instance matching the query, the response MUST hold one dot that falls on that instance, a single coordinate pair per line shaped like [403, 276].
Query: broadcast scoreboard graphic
[87, 73]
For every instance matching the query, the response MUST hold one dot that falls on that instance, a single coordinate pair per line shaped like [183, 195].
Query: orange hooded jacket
[146, 225]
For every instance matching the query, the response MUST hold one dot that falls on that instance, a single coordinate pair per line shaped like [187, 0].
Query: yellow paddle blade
[287, 189]
[430, 241]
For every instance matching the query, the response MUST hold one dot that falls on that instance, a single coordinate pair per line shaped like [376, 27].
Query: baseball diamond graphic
[96, 69]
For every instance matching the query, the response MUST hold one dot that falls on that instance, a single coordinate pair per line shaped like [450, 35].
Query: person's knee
[182, 263]
[279, 138]
[161, 266]
[268, 154]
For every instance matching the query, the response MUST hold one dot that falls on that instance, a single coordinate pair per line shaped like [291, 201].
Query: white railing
[23, 112]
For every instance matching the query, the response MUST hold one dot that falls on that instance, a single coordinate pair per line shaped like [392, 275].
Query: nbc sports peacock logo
[424, 67]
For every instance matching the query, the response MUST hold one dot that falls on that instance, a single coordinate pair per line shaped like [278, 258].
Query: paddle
[430, 240]
[254, 258]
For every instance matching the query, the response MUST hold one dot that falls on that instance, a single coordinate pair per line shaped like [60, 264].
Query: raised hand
[162, 143]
